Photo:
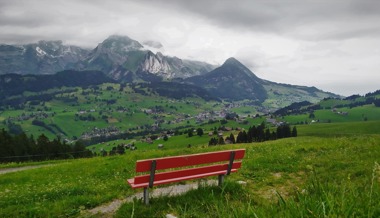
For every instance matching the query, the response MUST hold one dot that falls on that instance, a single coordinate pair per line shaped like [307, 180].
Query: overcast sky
[331, 44]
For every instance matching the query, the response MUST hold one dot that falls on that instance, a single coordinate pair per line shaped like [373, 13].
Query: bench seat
[186, 167]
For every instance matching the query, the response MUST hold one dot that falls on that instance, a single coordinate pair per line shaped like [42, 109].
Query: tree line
[20, 148]
[257, 134]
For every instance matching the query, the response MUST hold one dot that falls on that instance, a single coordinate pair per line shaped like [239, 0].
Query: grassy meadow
[330, 170]
[355, 114]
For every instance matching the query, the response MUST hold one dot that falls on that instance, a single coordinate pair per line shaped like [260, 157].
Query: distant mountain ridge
[234, 81]
[123, 59]
[117, 56]
[43, 57]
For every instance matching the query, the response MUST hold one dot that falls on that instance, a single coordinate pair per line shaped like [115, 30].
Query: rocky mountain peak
[232, 80]
[232, 61]
[116, 56]
[233, 66]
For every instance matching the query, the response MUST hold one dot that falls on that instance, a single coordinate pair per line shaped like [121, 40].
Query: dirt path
[108, 210]
[16, 169]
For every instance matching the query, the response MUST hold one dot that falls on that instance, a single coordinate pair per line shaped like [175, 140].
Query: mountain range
[117, 56]
[123, 59]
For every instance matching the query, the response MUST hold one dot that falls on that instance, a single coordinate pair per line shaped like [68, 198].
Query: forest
[20, 148]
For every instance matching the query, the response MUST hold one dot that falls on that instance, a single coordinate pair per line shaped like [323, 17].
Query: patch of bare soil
[290, 183]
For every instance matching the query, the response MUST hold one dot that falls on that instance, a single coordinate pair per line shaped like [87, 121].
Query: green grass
[308, 176]
[339, 129]
[65, 190]
[297, 177]
[245, 110]
[356, 114]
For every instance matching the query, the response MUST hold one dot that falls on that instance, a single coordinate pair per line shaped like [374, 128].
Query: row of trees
[20, 148]
[257, 134]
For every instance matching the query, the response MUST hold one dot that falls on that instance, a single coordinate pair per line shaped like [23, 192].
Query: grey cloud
[17, 39]
[294, 37]
[153, 44]
[291, 18]
[23, 14]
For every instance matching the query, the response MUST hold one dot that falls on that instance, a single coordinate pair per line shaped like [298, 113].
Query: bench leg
[146, 196]
[220, 180]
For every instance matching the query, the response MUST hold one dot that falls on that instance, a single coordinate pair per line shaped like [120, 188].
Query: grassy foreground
[307, 176]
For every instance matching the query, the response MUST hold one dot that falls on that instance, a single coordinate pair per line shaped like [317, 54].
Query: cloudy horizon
[332, 45]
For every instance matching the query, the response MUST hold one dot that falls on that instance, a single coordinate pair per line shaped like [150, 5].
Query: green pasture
[331, 103]
[175, 142]
[340, 129]
[356, 114]
[245, 110]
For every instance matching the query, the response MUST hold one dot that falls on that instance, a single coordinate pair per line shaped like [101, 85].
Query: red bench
[179, 168]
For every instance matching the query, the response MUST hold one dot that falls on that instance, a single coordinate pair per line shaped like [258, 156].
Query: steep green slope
[351, 109]
[304, 176]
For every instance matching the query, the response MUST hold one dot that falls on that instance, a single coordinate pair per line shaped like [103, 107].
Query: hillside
[302, 176]
[330, 110]
[282, 95]
[101, 111]
[233, 81]
[13, 86]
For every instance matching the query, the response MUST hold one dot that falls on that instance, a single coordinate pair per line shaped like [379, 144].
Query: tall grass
[331, 198]
[318, 198]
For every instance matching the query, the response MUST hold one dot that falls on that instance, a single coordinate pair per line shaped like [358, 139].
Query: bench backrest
[223, 162]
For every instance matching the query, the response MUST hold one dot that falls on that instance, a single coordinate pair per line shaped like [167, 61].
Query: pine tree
[267, 135]
[190, 133]
[245, 137]
[221, 141]
[232, 138]
[239, 138]
[200, 131]
[294, 132]
[212, 142]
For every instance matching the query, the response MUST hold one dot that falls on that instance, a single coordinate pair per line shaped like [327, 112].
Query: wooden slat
[161, 182]
[186, 172]
[131, 181]
[188, 160]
